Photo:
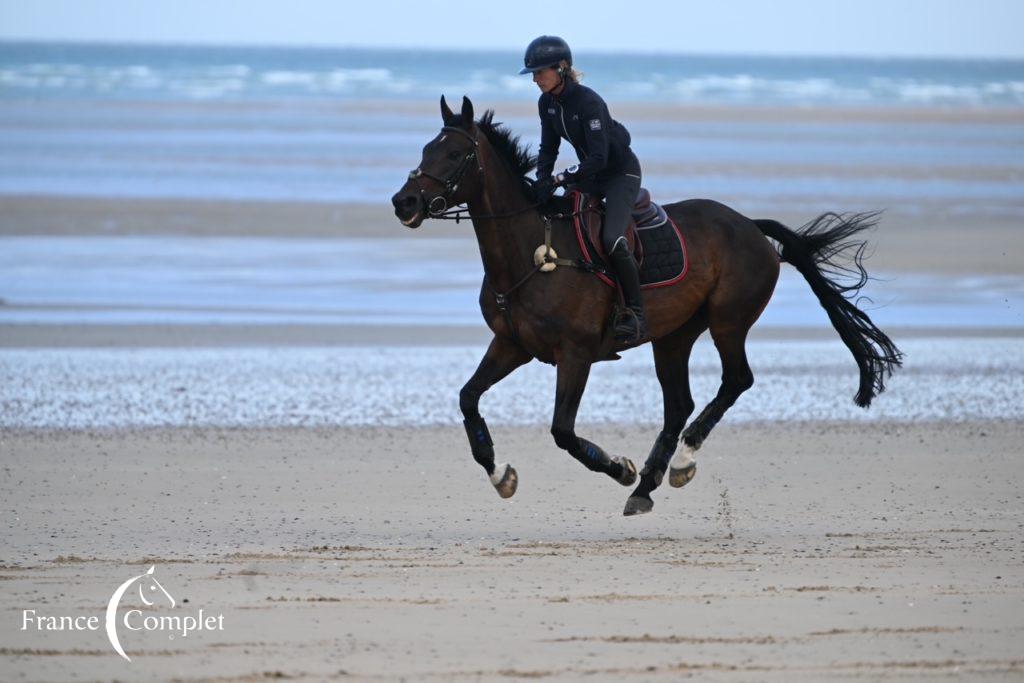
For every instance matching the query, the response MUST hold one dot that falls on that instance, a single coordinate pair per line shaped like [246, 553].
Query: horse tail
[816, 250]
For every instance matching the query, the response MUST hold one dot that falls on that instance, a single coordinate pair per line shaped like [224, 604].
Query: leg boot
[631, 328]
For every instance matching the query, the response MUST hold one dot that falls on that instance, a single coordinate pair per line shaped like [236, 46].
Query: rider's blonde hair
[568, 72]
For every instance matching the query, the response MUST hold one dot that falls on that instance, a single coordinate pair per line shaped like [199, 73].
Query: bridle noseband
[451, 183]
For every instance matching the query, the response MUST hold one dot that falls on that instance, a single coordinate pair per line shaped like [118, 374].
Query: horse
[561, 317]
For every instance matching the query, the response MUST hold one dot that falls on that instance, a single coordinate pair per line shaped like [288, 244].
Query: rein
[459, 212]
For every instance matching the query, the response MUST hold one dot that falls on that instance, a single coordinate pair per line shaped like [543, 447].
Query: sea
[334, 125]
[345, 125]
[145, 72]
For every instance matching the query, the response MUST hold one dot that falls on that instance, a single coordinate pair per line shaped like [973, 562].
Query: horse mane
[510, 149]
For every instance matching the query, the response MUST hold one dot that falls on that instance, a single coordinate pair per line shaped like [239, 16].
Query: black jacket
[580, 116]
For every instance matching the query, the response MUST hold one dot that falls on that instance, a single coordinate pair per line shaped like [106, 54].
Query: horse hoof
[505, 482]
[628, 476]
[635, 505]
[681, 477]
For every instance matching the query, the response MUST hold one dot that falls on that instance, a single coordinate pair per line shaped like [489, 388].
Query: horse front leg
[502, 357]
[572, 380]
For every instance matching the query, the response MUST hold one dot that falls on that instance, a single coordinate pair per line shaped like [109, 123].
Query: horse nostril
[405, 205]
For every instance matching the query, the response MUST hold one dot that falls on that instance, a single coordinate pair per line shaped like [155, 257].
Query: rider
[606, 163]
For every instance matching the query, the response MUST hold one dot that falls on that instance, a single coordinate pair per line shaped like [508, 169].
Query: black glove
[543, 189]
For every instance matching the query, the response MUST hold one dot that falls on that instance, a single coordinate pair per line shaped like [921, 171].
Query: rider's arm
[596, 123]
[549, 142]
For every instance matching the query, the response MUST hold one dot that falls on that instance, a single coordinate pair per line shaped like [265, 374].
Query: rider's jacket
[580, 116]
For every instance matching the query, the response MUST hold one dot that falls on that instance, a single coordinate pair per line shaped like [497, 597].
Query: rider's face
[547, 79]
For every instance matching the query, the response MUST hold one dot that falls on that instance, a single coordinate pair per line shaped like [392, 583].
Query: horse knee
[740, 382]
[564, 438]
[469, 400]
[614, 241]
[746, 381]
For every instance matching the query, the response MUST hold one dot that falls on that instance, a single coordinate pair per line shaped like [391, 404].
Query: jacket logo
[551, 110]
[595, 124]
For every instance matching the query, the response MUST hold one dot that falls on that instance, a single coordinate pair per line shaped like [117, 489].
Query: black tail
[814, 250]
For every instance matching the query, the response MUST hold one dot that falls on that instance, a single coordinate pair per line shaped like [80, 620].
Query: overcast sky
[953, 28]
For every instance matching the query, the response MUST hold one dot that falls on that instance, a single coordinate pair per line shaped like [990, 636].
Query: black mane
[509, 148]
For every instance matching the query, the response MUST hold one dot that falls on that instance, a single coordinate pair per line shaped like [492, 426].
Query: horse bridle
[451, 183]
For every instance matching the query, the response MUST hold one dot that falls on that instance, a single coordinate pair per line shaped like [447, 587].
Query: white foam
[288, 77]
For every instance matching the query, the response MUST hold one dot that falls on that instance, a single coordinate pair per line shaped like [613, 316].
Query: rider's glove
[543, 189]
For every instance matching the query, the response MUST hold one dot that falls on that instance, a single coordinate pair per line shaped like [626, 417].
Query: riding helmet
[544, 52]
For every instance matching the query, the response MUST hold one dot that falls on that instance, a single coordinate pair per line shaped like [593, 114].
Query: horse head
[449, 173]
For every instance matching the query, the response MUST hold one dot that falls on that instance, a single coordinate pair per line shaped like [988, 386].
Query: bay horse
[561, 317]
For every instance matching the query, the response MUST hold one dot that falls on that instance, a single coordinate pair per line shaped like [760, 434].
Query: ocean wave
[192, 73]
[372, 80]
[288, 78]
[748, 87]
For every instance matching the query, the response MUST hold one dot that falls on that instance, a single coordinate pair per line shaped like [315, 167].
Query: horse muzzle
[409, 209]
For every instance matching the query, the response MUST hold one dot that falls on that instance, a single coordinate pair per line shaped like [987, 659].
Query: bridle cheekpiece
[451, 183]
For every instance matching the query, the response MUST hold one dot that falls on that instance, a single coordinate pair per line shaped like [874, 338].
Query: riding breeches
[620, 193]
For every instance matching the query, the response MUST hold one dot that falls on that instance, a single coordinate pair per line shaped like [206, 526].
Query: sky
[873, 28]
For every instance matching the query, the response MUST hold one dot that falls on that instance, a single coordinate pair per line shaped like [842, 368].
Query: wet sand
[801, 551]
[931, 241]
[129, 336]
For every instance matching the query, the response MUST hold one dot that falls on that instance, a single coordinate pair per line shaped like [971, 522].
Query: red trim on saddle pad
[577, 221]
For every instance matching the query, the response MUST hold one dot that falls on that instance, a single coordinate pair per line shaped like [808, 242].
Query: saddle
[653, 238]
[645, 214]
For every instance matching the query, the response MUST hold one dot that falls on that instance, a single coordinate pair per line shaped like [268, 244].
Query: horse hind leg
[744, 288]
[502, 357]
[671, 361]
[736, 378]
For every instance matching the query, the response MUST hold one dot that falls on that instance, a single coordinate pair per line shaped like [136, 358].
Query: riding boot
[631, 327]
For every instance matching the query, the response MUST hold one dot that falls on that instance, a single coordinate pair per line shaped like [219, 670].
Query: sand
[799, 552]
[932, 241]
[931, 244]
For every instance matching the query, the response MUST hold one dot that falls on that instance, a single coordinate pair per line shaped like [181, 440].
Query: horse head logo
[150, 591]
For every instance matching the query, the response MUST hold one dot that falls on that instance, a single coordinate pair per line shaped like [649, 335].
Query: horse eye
[454, 155]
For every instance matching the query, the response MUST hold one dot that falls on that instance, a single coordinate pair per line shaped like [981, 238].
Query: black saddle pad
[664, 250]
[664, 255]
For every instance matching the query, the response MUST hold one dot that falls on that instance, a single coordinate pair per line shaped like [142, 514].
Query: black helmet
[544, 52]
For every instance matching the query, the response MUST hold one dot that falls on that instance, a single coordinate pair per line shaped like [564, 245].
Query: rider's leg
[620, 196]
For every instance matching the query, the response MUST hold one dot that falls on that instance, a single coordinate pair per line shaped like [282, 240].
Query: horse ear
[467, 113]
[446, 113]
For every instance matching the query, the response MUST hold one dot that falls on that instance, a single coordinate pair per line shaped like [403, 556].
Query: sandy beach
[222, 357]
[800, 552]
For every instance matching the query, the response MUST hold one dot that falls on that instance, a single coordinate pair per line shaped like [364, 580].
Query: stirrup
[634, 333]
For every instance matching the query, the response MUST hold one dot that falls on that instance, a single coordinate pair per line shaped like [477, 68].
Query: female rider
[607, 165]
